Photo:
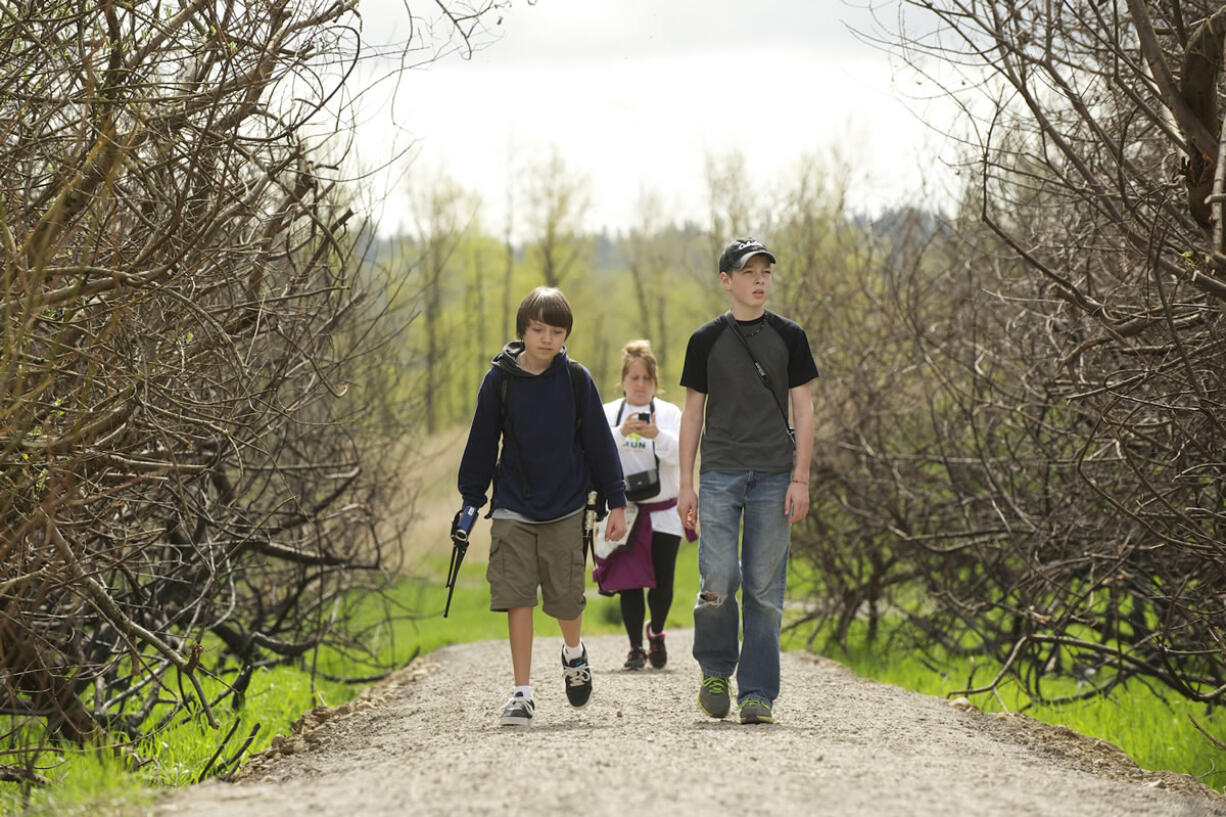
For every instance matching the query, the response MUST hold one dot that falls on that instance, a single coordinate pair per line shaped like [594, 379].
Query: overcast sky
[634, 94]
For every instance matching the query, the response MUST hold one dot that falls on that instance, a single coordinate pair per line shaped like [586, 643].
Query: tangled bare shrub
[183, 318]
[1052, 477]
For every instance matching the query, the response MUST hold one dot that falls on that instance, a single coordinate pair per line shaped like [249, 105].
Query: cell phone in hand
[645, 416]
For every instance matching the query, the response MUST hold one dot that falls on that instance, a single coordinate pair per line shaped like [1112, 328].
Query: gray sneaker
[713, 697]
[518, 711]
[755, 711]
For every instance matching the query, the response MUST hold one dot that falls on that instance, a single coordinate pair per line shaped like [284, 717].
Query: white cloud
[634, 93]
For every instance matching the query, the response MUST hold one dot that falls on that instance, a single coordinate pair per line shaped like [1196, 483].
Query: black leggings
[664, 562]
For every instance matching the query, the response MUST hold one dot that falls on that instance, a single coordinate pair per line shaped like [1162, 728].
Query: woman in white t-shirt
[645, 429]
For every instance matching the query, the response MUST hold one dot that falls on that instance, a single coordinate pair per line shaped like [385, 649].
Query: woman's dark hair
[547, 305]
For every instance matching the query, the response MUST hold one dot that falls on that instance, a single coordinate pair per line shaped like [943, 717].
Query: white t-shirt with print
[636, 455]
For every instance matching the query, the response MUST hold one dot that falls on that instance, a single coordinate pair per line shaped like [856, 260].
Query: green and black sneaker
[713, 697]
[755, 711]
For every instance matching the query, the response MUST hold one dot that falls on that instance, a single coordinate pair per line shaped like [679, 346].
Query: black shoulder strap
[762, 375]
[578, 384]
[622, 408]
[508, 439]
[504, 386]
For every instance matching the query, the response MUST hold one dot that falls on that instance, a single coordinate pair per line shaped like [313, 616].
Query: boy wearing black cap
[754, 480]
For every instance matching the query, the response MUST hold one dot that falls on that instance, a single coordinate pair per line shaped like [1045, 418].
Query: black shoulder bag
[763, 377]
[645, 484]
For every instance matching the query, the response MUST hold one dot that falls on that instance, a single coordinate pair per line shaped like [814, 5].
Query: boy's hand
[796, 503]
[615, 528]
[687, 508]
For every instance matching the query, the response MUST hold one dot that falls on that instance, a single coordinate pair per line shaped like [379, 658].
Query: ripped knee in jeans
[707, 598]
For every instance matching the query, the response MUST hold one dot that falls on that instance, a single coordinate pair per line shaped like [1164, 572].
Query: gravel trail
[427, 738]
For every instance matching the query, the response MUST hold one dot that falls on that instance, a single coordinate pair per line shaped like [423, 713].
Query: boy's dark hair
[545, 304]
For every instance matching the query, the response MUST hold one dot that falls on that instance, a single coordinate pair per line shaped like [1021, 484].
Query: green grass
[94, 783]
[1155, 732]
[98, 781]
[1152, 728]
[85, 783]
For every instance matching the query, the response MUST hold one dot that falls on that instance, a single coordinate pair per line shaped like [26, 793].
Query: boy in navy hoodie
[553, 453]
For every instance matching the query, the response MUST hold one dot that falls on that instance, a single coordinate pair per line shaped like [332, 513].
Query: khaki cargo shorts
[548, 555]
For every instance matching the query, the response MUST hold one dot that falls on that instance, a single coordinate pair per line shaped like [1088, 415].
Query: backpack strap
[578, 386]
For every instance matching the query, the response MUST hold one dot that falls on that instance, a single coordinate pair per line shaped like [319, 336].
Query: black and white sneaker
[518, 711]
[578, 675]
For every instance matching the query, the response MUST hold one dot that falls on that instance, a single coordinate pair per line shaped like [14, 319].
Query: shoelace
[578, 676]
[715, 685]
[520, 702]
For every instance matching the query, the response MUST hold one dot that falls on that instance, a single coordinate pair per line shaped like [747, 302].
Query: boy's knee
[717, 586]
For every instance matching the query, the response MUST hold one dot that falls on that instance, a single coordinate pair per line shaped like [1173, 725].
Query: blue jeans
[726, 499]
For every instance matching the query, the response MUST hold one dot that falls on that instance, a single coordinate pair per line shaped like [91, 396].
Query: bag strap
[578, 385]
[763, 377]
[508, 438]
[652, 407]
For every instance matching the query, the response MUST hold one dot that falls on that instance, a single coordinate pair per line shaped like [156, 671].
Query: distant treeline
[1016, 451]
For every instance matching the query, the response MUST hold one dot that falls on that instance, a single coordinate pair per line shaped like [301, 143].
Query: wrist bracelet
[800, 481]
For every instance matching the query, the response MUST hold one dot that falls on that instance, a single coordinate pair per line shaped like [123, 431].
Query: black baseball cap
[737, 254]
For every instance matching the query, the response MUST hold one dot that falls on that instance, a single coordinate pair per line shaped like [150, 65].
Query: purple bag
[630, 567]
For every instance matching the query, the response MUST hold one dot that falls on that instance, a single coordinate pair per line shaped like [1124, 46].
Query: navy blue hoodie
[559, 465]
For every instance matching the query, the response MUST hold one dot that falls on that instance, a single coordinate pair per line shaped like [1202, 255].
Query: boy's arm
[481, 452]
[796, 505]
[600, 449]
[691, 430]
[604, 462]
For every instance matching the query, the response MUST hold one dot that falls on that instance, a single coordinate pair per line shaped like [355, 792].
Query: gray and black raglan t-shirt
[743, 429]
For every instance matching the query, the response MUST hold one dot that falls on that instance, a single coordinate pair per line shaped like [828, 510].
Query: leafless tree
[558, 201]
[443, 214]
[1054, 481]
[656, 254]
[186, 489]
